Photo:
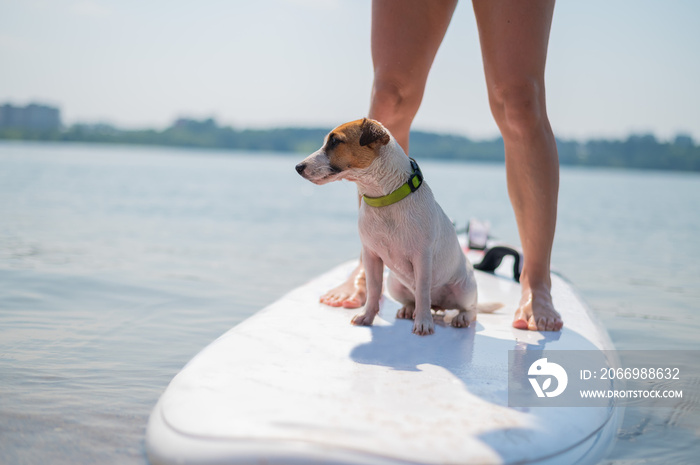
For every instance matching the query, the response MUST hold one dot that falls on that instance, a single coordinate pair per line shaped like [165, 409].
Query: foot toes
[546, 324]
[555, 324]
[541, 324]
[342, 300]
[538, 315]
[350, 294]
[532, 324]
[520, 321]
[332, 302]
[352, 302]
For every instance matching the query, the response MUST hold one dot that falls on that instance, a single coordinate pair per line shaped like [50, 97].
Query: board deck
[297, 384]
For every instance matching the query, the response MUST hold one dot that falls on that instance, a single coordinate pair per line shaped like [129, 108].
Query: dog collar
[412, 185]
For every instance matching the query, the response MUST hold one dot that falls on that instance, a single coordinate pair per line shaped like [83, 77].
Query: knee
[518, 106]
[394, 98]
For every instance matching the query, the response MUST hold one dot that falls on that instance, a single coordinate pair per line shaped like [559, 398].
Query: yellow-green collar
[414, 182]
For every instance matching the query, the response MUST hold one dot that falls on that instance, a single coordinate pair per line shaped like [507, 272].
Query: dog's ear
[373, 132]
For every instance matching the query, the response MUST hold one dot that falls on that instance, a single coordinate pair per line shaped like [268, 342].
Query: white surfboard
[296, 383]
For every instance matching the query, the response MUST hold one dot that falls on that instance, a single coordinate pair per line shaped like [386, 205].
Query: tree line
[636, 151]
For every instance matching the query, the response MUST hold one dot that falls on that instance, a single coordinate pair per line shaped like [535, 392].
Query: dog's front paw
[424, 326]
[363, 319]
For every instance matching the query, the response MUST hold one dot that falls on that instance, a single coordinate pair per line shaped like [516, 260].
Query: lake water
[118, 264]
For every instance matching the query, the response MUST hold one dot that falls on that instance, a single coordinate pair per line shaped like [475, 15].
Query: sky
[615, 67]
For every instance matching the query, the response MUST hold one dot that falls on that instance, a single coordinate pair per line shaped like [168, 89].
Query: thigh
[399, 291]
[514, 35]
[406, 35]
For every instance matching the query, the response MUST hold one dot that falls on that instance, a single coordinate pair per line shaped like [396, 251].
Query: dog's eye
[333, 141]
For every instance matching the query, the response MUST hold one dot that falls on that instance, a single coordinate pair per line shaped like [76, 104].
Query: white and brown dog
[401, 226]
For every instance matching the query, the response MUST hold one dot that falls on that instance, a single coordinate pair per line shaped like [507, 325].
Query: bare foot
[351, 294]
[536, 312]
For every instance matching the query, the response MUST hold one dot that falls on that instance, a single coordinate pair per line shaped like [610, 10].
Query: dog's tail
[488, 307]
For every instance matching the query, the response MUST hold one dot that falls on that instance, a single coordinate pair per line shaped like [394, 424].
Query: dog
[401, 226]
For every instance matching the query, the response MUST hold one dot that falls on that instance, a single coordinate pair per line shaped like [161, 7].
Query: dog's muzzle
[300, 168]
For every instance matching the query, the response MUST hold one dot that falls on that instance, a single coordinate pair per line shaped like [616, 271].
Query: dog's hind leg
[464, 318]
[403, 295]
[407, 312]
[463, 297]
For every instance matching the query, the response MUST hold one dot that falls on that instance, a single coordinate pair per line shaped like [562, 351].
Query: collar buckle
[416, 178]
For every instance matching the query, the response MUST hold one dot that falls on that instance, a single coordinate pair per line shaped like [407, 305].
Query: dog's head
[349, 147]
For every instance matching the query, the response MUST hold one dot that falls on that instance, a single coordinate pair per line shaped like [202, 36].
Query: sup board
[296, 383]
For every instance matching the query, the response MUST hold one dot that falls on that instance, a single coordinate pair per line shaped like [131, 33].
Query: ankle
[541, 286]
[360, 278]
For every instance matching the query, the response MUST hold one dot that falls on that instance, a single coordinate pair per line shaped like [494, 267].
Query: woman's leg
[514, 35]
[406, 35]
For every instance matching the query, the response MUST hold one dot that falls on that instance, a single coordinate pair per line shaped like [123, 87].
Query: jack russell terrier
[401, 226]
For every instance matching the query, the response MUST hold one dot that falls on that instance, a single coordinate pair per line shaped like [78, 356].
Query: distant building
[195, 125]
[33, 116]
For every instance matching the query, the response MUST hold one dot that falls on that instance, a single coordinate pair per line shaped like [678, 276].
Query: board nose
[300, 167]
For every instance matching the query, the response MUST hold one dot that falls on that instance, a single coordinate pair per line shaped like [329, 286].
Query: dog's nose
[301, 167]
